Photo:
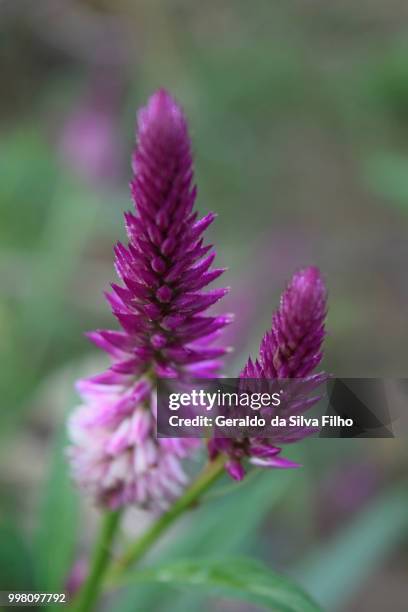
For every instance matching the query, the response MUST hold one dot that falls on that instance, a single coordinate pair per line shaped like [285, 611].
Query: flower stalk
[88, 594]
[212, 471]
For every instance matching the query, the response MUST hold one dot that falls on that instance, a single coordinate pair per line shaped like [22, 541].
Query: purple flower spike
[160, 305]
[291, 349]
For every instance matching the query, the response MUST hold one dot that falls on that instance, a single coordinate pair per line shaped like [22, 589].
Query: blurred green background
[299, 117]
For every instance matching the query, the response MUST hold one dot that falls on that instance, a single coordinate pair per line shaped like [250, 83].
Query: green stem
[137, 550]
[88, 594]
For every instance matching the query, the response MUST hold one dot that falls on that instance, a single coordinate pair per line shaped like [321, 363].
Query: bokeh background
[299, 117]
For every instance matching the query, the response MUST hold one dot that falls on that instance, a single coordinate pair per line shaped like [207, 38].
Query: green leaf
[56, 535]
[209, 529]
[16, 563]
[333, 571]
[238, 578]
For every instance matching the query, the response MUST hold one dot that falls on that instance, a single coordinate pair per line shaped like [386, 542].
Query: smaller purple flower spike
[291, 349]
[161, 305]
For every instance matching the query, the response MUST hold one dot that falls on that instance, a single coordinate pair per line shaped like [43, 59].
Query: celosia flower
[291, 349]
[160, 306]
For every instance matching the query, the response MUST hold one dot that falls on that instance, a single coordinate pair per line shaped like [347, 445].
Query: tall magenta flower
[160, 306]
[291, 349]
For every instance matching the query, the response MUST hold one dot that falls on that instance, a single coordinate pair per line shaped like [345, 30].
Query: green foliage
[223, 524]
[334, 570]
[16, 561]
[55, 538]
[231, 577]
